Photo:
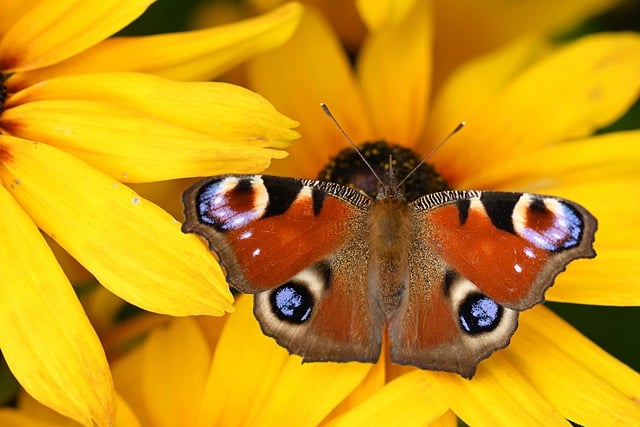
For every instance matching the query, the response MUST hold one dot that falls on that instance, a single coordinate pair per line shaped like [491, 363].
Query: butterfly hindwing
[290, 242]
[323, 313]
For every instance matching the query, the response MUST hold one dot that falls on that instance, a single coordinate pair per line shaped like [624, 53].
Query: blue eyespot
[479, 313]
[292, 303]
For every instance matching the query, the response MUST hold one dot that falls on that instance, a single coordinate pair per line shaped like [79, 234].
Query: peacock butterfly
[332, 269]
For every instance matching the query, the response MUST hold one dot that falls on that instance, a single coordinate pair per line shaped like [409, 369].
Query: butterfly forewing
[290, 242]
[266, 229]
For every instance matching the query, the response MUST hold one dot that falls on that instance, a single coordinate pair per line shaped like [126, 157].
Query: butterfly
[333, 269]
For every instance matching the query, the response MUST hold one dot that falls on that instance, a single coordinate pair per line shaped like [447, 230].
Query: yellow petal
[48, 32]
[127, 377]
[608, 156]
[579, 88]
[206, 107]
[76, 273]
[10, 417]
[48, 341]
[115, 141]
[475, 27]
[497, 395]
[253, 381]
[372, 383]
[174, 367]
[613, 277]
[406, 401]
[343, 16]
[211, 327]
[395, 71]
[193, 55]
[448, 419]
[131, 246]
[189, 129]
[12, 10]
[378, 14]
[312, 68]
[569, 94]
[610, 279]
[30, 412]
[125, 416]
[471, 87]
[103, 308]
[586, 384]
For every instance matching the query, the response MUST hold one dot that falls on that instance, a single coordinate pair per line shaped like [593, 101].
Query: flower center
[348, 169]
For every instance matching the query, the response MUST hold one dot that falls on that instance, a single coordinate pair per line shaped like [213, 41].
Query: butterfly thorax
[389, 221]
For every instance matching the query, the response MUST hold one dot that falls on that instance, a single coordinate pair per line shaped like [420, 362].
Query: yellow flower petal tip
[209, 134]
[134, 248]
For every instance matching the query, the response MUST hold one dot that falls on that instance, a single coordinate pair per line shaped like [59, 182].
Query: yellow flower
[531, 109]
[196, 372]
[463, 28]
[76, 123]
[234, 382]
[466, 28]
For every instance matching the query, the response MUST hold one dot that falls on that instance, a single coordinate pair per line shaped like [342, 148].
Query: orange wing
[301, 247]
[478, 258]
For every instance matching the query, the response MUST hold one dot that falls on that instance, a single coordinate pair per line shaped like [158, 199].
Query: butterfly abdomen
[389, 240]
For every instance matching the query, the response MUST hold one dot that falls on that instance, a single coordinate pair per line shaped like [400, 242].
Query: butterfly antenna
[457, 129]
[335, 121]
